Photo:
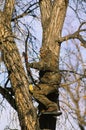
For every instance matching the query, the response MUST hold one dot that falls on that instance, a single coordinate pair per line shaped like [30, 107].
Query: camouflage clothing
[49, 83]
[41, 95]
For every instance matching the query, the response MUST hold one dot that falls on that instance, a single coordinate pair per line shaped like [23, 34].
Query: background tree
[16, 29]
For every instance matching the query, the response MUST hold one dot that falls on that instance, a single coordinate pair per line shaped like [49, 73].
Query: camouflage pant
[41, 95]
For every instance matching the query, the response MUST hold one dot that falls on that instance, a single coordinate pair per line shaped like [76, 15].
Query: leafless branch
[73, 72]
[7, 95]
[75, 35]
[81, 127]
[26, 12]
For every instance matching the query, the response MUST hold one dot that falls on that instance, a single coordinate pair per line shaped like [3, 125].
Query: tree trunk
[17, 76]
[52, 16]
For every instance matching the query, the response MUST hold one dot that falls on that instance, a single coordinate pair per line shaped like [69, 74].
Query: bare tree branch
[74, 72]
[75, 35]
[81, 127]
[6, 92]
[27, 11]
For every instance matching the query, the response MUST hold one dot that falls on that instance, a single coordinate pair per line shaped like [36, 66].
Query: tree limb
[45, 15]
[75, 35]
[58, 15]
[6, 93]
[81, 127]
[27, 11]
[73, 72]
[8, 8]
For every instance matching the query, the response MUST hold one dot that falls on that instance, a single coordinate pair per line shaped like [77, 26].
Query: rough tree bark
[17, 76]
[52, 18]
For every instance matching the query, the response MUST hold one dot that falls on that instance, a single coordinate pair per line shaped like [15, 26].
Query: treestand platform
[54, 113]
